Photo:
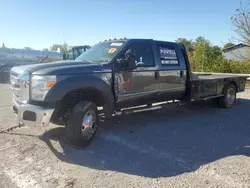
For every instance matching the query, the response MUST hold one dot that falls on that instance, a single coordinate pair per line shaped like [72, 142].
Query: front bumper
[32, 115]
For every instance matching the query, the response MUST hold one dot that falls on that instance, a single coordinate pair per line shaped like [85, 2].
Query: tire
[82, 124]
[229, 97]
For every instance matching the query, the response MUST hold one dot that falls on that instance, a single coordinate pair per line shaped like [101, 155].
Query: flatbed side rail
[223, 73]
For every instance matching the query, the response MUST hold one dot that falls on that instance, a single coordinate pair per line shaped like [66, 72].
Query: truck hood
[63, 67]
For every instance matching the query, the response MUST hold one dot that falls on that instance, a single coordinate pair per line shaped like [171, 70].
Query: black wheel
[229, 97]
[82, 124]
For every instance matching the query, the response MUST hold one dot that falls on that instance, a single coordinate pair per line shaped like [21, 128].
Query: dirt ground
[189, 146]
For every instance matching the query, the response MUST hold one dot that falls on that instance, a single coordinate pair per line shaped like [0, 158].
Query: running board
[207, 98]
[146, 108]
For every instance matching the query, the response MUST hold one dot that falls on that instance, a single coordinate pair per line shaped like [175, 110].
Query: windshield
[101, 52]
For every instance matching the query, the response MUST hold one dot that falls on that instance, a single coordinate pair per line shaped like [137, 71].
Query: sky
[40, 23]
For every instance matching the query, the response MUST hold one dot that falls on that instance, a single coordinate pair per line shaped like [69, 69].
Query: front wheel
[82, 124]
[229, 97]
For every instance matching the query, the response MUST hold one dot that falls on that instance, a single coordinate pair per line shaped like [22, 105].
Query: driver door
[137, 87]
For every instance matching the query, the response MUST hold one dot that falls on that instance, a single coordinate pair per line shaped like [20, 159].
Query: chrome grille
[15, 83]
[20, 91]
[14, 74]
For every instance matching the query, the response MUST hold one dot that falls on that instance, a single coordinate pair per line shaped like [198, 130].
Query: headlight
[40, 85]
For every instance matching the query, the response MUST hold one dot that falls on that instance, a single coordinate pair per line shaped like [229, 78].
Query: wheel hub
[89, 124]
[231, 95]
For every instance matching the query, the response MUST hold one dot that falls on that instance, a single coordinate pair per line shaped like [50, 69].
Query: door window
[168, 55]
[144, 55]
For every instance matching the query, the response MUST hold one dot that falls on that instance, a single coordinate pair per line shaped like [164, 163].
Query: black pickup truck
[114, 75]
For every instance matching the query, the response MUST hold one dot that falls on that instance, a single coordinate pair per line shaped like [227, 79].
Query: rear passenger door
[172, 71]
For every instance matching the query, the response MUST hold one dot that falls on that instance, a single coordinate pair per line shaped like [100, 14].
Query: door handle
[181, 73]
[157, 75]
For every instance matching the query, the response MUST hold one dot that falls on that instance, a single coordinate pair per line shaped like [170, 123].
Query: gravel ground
[189, 146]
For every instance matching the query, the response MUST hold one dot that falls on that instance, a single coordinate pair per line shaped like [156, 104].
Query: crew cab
[115, 75]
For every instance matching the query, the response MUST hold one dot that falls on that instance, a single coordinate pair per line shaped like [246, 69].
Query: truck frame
[121, 76]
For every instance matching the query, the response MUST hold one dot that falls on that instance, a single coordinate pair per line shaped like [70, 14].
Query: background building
[239, 52]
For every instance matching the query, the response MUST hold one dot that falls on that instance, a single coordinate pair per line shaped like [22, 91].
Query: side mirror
[127, 62]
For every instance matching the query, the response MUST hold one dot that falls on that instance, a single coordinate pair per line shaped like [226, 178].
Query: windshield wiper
[100, 61]
[94, 61]
[44, 58]
[84, 61]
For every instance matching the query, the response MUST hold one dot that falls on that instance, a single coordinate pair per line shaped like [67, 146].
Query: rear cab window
[168, 55]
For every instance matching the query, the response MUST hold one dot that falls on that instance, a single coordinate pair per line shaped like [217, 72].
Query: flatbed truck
[121, 76]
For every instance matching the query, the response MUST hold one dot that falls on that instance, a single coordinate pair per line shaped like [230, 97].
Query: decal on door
[168, 56]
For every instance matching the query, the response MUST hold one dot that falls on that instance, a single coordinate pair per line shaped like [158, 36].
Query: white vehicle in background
[11, 57]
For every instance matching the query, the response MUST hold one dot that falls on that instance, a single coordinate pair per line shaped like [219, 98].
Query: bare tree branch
[241, 24]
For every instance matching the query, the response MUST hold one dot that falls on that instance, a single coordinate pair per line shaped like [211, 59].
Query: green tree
[197, 57]
[206, 57]
[27, 48]
[55, 47]
[216, 50]
[201, 39]
[227, 45]
[63, 47]
[189, 44]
